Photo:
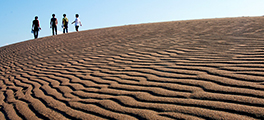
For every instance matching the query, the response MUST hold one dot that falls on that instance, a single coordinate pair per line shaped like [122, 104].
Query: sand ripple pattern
[200, 69]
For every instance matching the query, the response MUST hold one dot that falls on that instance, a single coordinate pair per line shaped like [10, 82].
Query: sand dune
[196, 69]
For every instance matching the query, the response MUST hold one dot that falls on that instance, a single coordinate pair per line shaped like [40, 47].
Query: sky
[17, 15]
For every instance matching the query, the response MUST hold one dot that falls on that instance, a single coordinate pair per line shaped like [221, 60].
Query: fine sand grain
[196, 69]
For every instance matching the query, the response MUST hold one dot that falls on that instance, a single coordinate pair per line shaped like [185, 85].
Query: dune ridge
[195, 69]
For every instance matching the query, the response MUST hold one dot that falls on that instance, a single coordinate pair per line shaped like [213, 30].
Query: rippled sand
[198, 69]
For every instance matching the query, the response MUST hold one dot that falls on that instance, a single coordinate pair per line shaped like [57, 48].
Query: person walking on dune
[36, 27]
[65, 23]
[53, 24]
[77, 22]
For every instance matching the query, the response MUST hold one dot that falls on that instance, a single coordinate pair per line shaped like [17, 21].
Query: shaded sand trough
[199, 69]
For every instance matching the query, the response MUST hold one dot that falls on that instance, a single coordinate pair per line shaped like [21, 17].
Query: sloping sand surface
[198, 69]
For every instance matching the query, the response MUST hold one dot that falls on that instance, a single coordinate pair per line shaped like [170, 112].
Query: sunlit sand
[196, 69]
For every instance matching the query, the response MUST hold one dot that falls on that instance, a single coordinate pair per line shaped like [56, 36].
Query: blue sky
[17, 15]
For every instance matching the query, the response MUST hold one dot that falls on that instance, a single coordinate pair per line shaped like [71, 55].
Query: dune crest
[196, 69]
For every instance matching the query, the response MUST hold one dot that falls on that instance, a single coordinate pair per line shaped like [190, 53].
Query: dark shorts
[36, 29]
[76, 27]
[65, 26]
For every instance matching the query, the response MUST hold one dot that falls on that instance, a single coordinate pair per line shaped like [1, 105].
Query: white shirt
[77, 22]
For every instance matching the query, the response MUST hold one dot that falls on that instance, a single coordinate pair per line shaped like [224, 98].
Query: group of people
[53, 24]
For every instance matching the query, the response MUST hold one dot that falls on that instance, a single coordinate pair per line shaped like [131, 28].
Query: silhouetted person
[65, 23]
[36, 27]
[53, 24]
[77, 22]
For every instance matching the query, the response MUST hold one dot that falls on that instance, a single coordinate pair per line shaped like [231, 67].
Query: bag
[53, 21]
[32, 31]
[65, 21]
